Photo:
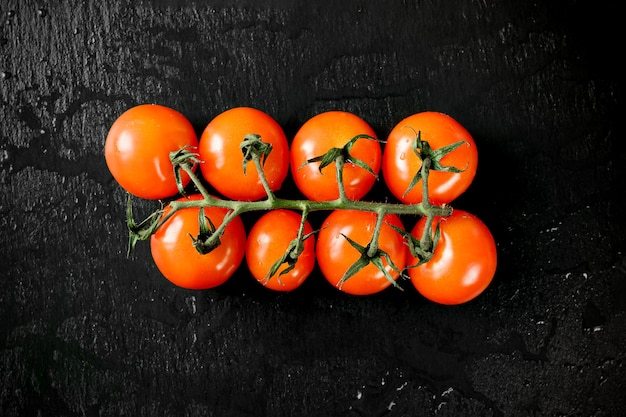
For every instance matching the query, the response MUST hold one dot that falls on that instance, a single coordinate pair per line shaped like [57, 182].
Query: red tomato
[179, 261]
[137, 150]
[335, 254]
[328, 130]
[222, 158]
[463, 264]
[268, 241]
[400, 163]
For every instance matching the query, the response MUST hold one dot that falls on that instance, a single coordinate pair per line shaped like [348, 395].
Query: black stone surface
[87, 332]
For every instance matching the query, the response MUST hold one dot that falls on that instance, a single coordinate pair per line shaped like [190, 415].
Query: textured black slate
[87, 332]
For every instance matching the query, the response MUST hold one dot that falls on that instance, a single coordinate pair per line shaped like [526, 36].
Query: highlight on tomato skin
[269, 240]
[333, 129]
[179, 261]
[335, 255]
[400, 162]
[137, 150]
[219, 149]
[463, 264]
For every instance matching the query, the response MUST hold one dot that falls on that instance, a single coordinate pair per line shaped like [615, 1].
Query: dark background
[87, 332]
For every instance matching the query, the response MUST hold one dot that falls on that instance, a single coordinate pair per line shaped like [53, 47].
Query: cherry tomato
[179, 261]
[400, 163]
[335, 254]
[268, 241]
[463, 263]
[137, 150]
[222, 157]
[333, 129]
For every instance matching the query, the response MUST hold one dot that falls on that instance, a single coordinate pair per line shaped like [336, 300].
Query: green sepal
[333, 153]
[328, 158]
[206, 240]
[142, 230]
[365, 259]
[423, 150]
[438, 154]
[251, 147]
[415, 245]
[290, 257]
[183, 156]
[349, 158]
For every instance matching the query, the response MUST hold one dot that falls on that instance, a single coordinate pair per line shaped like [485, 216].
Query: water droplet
[42, 12]
[5, 75]
[10, 13]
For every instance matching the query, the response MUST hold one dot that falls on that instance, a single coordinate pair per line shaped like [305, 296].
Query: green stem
[426, 240]
[421, 209]
[373, 246]
[196, 181]
[339, 164]
[425, 173]
[300, 245]
[266, 185]
[236, 208]
[177, 205]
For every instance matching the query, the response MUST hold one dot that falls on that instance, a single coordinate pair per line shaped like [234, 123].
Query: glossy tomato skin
[268, 241]
[222, 158]
[463, 264]
[335, 255]
[333, 129]
[138, 145]
[178, 260]
[400, 162]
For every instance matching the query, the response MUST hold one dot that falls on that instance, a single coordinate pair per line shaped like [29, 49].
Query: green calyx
[423, 150]
[366, 258]
[208, 238]
[343, 153]
[254, 149]
[290, 257]
[142, 230]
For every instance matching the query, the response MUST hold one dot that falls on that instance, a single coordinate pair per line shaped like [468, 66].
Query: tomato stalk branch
[423, 248]
[270, 194]
[186, 161]
[339, 164]
[426, 241]
[373, 246]
[300, 238]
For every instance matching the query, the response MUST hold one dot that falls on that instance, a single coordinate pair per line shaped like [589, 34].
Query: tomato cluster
[199, 240]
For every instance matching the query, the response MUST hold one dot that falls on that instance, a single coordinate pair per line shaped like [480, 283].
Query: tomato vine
[255, 151]
[208, 235]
